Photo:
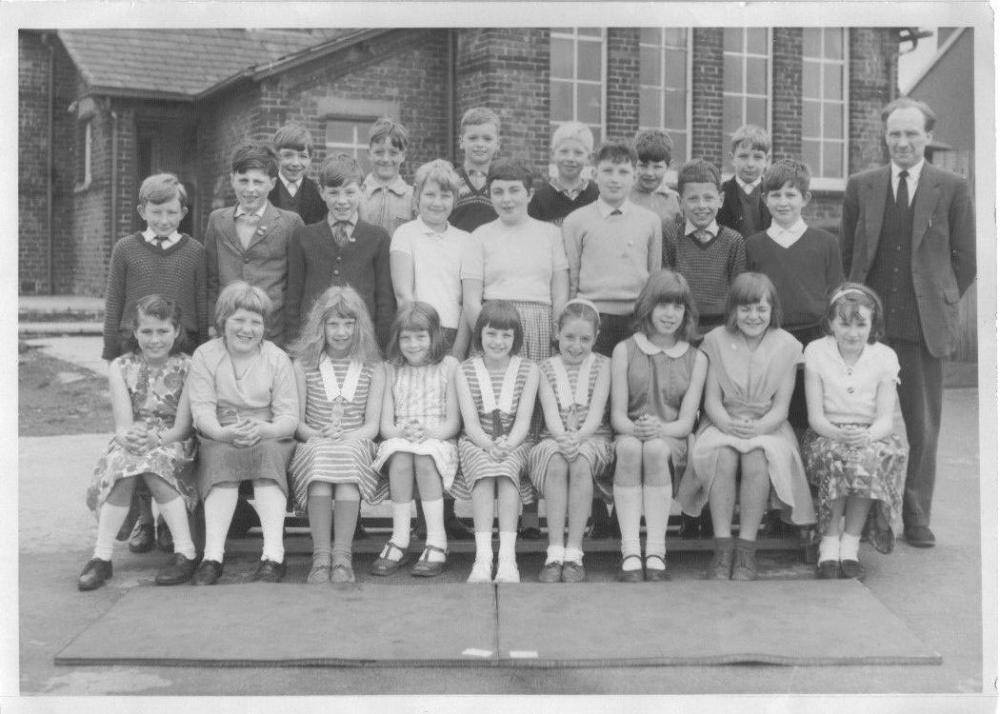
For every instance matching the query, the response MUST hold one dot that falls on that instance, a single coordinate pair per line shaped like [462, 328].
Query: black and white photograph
[567, 356]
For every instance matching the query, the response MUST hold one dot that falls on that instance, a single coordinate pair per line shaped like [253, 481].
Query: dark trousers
[614, 329]
[920, 395]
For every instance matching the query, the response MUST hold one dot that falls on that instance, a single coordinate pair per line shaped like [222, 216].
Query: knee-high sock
[656, 506]
[219, 506]
[176, 517]
[628, 505]
[108, 524]
[401, 525]
[434, 517]
[345, 520]
[320, 509]
[270, 504]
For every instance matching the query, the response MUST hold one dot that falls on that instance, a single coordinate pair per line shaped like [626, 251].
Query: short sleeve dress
[420, 394]
[574, 391]
[336, 389]
[505, 390]
[749, 382]
[875, 471]
[155, 393]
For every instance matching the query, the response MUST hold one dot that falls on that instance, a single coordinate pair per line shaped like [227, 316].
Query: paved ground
[936, 592]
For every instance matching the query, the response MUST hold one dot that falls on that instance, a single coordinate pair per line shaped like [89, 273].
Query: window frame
[575, 37]
[831, 183]
[727, 171]
[671, 175]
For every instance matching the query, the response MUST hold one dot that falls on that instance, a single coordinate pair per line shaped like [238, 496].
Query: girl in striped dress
[496, 393]
[340, 381]
[419, 424]
[577, 451]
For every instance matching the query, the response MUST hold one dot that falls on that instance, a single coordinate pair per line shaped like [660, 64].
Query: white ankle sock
[484, 546]
[108, 525]
[573, 555]
[555, 554]
[400, 526]
[270, 504]
[829, 548]
[849, 546]
[219, 506]
[508, 540]
[436, 536]
[175, 515]
[628, 504]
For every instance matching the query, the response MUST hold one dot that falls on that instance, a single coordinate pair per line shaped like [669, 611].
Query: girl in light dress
[419, 423]
[851, 454]
[575, 450]
[340, 381]
[496, 394]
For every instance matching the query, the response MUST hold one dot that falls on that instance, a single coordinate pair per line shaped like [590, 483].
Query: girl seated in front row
[496, 394]
[152, 441]
[850, 451]
[656, 384]
[745, 428]
[577, 451]
[340, 381]
[419, 424]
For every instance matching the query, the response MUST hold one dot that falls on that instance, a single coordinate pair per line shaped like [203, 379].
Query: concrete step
[31, 329]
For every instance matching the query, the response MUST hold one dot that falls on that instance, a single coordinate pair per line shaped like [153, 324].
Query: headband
[582, 301]
[845, 292]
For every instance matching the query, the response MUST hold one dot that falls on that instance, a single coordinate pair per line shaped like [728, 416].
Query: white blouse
[849, 391]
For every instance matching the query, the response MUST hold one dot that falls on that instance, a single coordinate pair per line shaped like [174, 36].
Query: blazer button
[336, 272]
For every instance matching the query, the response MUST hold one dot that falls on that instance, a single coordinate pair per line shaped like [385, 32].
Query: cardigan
[306, 202]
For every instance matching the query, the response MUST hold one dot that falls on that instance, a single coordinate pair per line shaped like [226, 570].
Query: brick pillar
[706, 94]
[507, 70]
[873, 59]
[622, 87]
[786, 83]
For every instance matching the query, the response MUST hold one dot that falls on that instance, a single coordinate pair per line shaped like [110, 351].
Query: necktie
[903, 193]
[616, 212]
[340, 235]
[160, 240]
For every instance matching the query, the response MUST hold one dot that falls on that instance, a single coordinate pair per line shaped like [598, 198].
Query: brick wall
[786, 84]
[34, 65]
[873, 54]
[623, 83]
[706, 94]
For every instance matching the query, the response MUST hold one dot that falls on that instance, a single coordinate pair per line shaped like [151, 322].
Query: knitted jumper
[552, 205]
[139, 269]
[708, 267]
[473, 207]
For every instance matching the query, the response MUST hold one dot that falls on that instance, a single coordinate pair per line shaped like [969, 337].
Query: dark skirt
[219, 462]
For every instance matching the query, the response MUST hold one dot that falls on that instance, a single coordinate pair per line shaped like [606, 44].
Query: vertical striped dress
[421, 394]
[328, 461]
[574, 396]
[477, 464]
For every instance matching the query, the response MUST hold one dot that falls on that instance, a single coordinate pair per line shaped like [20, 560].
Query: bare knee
[347, 492]
[319, 489]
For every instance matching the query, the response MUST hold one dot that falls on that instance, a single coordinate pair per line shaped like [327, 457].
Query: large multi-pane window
[576, 71]
[664, 63]
[824, 102]
[349, 136]
[746, 86]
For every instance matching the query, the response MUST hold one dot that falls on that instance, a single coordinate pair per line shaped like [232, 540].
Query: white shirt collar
[430, 232]
[371, 185]
[150, 235]
[787, 236]
[573, 191]
[647, 347]
[605, 209]
[690, 228]
[912, 173]
[289, 184]
[259, 212]
[748, 187]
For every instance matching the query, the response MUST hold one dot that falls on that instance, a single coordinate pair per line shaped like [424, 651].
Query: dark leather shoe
[656, 575]
[208, 573]
[631, 576]
[828, 570]
[852, 570]
[269, 572]
[95, 573]
[919, 536]
[142, 538]
[179, 570]
[164, 538]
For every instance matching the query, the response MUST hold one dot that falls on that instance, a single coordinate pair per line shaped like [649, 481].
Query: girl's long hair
[338, 301]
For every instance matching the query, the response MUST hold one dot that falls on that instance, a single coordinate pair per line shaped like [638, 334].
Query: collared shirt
[150, 236]
[605, 209]
[476, 177]
[786, 237]
[437, 265]
[748, 187]
[291, 186]
[912, 178]
[388, 205]
[572, 192]
[646, 345]
[240, 211]
[352, 223]
[691, 229]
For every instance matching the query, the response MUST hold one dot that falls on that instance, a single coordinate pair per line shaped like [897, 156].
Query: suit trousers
[920, 391]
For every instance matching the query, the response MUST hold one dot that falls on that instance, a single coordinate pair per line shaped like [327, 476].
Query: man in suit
[908, 232]
[249, 241]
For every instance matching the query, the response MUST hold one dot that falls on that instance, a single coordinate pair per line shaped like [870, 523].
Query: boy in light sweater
[612, 246]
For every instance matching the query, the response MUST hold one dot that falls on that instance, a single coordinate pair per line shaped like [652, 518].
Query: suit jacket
[944, 244]
[731, 213]
[311, 206]
[315, 262]
[264, 263]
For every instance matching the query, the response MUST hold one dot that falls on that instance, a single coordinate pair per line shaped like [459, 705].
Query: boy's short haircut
[698, 171]
[293, 136]
[255, 156]
[437, 171]
[340, 170]
[574, 130]
[756, 136]
[787, 171]
[388, 129]
[617, 152]
[653, 145]
[510, 170]
[477, 116]
[161, 188]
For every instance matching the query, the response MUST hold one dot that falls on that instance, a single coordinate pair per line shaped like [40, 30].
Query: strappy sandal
[425, 567]
[630, 576]
[655, 575]
[384, 565]
[342, 574]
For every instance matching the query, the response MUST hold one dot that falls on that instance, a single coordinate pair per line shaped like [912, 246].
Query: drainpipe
[450, 94]
[114, 176]
[49, 168]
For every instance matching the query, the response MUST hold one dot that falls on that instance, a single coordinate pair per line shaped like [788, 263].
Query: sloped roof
[182, 63]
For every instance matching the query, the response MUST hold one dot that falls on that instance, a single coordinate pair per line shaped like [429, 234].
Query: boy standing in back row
[480, 141]
[743, 208]
[294, 190]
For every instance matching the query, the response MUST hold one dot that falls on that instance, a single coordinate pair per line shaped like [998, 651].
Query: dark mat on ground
[702, 623]
[259, 624]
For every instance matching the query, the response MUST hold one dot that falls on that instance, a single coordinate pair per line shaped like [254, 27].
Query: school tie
[340, 234]
[903, 193]
[160, 240]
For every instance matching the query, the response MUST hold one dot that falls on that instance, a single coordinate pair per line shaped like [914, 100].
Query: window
[664, 99]
[349, 136]
[824, 103]
[576, 66]
[84, 143]
[746, 86]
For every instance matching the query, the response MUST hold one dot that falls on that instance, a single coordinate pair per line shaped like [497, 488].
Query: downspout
[450, 95]
[114, 176]
[49, 168]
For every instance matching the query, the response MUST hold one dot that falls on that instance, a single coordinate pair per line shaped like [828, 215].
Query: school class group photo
[596, 339]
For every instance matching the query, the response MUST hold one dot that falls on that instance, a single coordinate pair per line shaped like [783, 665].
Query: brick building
[101, 109]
